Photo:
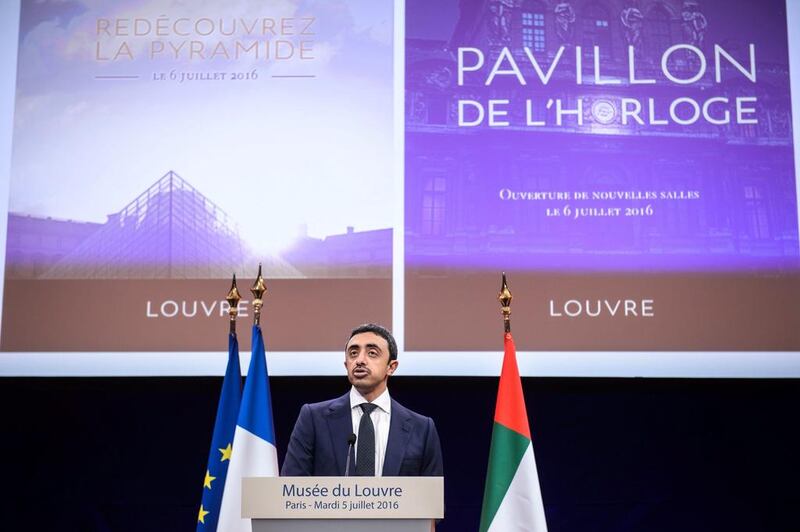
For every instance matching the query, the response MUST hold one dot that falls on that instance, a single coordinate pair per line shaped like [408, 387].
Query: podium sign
[346, 503]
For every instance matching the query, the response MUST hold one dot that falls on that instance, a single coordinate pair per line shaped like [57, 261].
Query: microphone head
[351, 440]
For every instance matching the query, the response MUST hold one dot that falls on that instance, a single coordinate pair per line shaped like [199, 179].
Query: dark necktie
[365, 465]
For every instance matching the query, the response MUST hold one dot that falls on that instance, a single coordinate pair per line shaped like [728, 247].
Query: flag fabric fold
[512, 500]
[254, 452]
[218, 457]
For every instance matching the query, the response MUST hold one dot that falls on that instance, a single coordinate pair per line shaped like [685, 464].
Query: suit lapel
[340, 426]
[399, 432]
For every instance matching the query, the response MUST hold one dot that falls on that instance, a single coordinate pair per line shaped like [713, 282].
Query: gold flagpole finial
[258, 290]
[505, 298]
[233, 298]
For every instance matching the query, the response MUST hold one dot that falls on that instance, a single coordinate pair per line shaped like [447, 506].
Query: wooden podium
[346, 504]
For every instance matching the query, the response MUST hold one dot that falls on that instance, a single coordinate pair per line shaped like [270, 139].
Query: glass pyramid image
[170, 231]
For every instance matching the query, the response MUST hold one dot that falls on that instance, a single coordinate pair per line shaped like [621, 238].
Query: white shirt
[381, 418]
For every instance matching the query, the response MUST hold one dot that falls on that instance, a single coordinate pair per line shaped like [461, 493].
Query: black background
[125, 454]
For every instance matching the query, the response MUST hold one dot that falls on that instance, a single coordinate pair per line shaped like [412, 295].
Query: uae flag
[512, 500]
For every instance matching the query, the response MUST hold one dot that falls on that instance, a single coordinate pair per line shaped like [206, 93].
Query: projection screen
[631, 168]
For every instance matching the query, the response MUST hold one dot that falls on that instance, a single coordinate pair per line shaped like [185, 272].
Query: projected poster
[629, 164]
[160, 147]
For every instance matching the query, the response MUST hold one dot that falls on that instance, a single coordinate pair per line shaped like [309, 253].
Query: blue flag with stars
[222, 441]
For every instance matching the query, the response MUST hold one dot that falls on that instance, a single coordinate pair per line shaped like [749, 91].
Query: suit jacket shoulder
[414, 448]
[318, 444]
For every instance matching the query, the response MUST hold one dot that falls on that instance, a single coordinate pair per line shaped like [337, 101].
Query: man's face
[366, 358]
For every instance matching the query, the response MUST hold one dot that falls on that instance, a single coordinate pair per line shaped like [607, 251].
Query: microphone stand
[351, 441]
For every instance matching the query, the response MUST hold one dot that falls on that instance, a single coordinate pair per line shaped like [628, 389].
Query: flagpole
[505, 298]
[233, 298]
[258, 290]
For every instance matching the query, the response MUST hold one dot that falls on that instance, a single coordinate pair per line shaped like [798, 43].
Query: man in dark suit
[391, 440]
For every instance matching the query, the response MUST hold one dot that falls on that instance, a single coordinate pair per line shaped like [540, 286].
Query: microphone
[351, 440]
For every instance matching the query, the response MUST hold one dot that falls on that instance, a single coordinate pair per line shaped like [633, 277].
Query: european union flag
[222, 442]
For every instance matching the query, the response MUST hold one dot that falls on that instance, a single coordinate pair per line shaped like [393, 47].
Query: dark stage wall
[129, 454]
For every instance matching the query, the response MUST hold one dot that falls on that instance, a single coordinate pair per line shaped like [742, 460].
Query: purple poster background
[639, 159]
[628, 163]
